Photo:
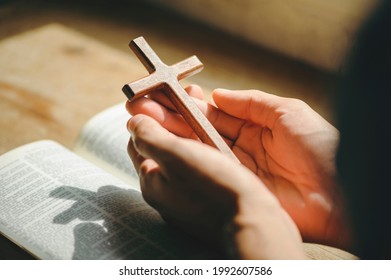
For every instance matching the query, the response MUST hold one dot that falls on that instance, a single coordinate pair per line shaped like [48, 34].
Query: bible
[85, 203]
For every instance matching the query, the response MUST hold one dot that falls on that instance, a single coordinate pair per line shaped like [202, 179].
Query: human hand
[284, 142]
[196, 188]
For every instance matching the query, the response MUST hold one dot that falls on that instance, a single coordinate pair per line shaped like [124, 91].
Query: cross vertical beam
[166, 78]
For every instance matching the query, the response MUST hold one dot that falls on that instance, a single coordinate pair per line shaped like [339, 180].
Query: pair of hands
[285, 185]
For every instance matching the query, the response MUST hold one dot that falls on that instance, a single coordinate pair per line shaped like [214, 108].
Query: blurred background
[290, 48]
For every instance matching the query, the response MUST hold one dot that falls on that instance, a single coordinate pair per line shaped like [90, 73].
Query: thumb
[170, 152]
[149, 137]
[252, 105]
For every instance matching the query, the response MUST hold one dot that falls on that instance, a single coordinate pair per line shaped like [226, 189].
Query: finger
[194, 91]
[143, 165]
[179, 158]
[150, 139]
[153, 184]
[225, 124]
[160, 97]
[228, 126]
[155, 187]
[256, 106]
[151, 180]
[171, 153]
[136, 158]
[158, 193]
[159, 107]
[170, 120]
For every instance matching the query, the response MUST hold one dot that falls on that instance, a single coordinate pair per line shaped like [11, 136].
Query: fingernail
[133, 122]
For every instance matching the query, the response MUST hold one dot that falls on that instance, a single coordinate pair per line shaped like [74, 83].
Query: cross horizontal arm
[167, 79]
[143, 86]
[188, 67]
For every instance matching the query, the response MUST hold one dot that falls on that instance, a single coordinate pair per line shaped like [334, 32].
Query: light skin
[285, 188]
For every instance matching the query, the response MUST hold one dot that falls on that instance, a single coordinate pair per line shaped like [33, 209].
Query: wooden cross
[166, 78]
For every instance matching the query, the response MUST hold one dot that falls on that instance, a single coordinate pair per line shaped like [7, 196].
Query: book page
[104, 140]
[59, 206]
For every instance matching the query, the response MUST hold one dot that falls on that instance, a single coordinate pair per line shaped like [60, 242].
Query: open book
[86, 203]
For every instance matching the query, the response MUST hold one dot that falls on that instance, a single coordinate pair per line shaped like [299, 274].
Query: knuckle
[297, 103]
[138, 143]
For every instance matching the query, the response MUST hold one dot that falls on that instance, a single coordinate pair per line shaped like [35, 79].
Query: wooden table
[54, 77]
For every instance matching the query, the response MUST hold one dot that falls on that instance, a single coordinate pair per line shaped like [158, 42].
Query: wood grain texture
[166, 78]
[52, 80]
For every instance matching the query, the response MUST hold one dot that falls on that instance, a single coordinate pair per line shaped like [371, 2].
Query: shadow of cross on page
[166, 78]
[116, 223]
